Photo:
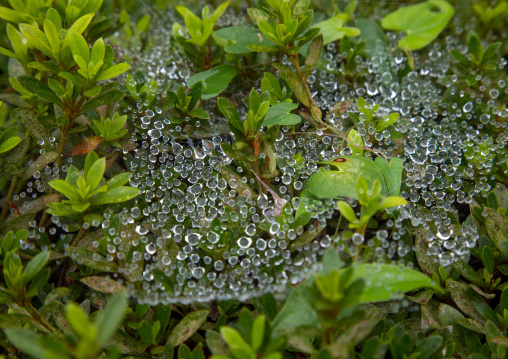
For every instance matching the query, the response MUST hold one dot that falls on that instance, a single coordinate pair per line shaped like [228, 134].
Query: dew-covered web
[200, 231]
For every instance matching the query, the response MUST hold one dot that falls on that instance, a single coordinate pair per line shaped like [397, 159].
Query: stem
[34, 313]
[12, 188]
[82, 232]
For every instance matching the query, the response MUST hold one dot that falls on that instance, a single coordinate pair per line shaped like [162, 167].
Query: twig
[12, 188]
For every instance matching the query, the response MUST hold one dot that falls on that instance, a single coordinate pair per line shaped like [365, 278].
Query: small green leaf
[34, 266]
[116, 195]
[109, 319]
[77, 320]
[346, 210]
[280, 115]
[214, 80]
[94, 175]
[112, 71]
[106, 98]
[9, 144]
[488, 259]
[332, 29]
[119, 180]
[79, 47]
[26, 341]
[314, 53]
[229, 111]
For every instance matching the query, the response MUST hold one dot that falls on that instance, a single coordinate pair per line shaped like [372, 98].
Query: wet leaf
[241, 37]
[279, 114]
[86, 257]
[465, 299]
[187, 327]
[214, 80]
[102, 284]
[496, 225]
[85, 146]
[421, 22]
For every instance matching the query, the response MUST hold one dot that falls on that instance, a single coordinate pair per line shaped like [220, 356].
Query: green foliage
[89, 337]
[414, 20]
[110, 129]
[89, 189]
[361, 301]
[371, 201]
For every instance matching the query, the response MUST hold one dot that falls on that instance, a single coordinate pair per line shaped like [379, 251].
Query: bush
[264, 179]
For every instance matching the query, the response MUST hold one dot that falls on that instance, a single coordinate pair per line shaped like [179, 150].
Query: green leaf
[487, 312]
[67, 189]
[465, 299]
[199, 113]
[119, 180]
[342, 183]
[346, 210]
[468, 272]
[60, 209]
[258, 332]
[109, 319]
[241, 37]
[262, 48]
[112, 71]
[491, 51]
[32, 84]
[496, 225]
[9, 144]
[383, 282]
[237, 344]
[81, 24]
[488, 259]
[86, 257]
[26, 341]
[355, 142]
[314, 53]
[95, 173]
[392, 201]
[187, 327]
[106, 98]
[49, 96]
[11, 15]
[279, 115]
[297, 86]
[475, 47]
[392, 172]
[421, 22]
[116, 195]
[332, 29]
[77, 320]
[79, 47]
[229, 111]
[460, 57]
[34, 266]
[98, 51]
[36, 38]
[214, 80]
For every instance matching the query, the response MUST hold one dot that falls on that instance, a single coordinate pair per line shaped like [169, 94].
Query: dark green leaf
[109, 319]
[314, 53]
[214, 80]
[103, 99]
[187, 327]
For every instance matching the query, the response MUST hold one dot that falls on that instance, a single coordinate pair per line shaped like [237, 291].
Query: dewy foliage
[263, 179]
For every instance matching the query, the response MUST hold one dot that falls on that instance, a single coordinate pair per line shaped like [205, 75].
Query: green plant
[256, 341]
[90, 189]
[88, 340]
[110, 129]
[371, 201]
